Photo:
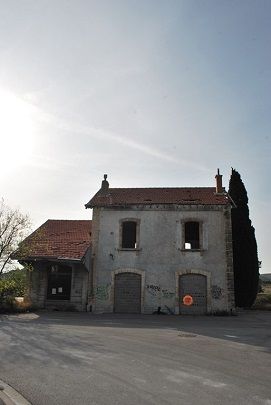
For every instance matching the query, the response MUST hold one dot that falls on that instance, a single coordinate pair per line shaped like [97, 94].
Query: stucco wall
[160, 257]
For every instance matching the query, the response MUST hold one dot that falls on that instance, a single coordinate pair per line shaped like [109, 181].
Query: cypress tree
[245, 255]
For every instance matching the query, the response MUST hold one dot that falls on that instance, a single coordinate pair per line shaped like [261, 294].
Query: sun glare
[17, 126]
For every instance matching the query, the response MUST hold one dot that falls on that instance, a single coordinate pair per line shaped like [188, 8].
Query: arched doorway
[194, 285]
[127, 293]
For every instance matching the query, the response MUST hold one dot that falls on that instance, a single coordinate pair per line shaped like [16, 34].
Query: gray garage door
[127, 293]
[194, 285]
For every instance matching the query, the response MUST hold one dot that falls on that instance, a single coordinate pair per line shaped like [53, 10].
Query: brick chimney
[105, 184]
[219, 188]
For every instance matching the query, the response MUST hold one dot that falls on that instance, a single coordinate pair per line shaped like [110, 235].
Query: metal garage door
[127, 293]
[193, 285]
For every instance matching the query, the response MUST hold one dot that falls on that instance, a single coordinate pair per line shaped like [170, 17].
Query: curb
[9, 396]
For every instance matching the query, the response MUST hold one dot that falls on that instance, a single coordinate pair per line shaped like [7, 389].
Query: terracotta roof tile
[57, 239]
[148, 196]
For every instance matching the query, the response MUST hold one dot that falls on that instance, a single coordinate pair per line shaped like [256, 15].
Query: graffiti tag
[216, 292]
[156, 290]
[167, 294]
[102, 292]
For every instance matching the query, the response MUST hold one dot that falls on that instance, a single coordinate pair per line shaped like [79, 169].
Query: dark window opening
[191, 235]
[129, 235]
[59, 282]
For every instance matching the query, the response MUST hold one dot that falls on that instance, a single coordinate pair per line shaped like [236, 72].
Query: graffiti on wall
[167, 294]
[153, 290]
[157, 291]
[216, 292]
[102, 292]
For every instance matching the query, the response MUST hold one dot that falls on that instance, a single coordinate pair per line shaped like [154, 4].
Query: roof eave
[48, 258]
[125, 205]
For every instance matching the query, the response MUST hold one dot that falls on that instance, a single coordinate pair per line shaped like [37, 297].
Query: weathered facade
[58, 256]
[157, 249]
[150, 249]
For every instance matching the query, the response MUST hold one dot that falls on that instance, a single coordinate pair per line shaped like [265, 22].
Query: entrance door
[127, 293]
[59, 282]
[194, 285]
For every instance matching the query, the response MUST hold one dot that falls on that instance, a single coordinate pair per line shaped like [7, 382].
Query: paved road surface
[71, 358]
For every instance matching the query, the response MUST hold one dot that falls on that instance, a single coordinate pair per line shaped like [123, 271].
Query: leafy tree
[13, 228]
[245, 255]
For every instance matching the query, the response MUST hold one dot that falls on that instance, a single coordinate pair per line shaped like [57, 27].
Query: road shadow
[248, 327]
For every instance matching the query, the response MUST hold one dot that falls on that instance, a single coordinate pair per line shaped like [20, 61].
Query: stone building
[58, 257]
[161, 248]
[151, 249]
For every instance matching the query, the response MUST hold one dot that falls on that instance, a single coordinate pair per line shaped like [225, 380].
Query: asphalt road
[72, 358]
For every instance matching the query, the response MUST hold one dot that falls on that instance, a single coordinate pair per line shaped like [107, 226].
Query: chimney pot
[219, 188]
[105, 184]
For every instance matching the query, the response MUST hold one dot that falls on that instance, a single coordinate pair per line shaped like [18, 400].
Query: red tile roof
[57, 239]
[149, 196]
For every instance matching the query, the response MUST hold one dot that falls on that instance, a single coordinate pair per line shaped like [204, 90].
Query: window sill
[58, 299]
[192, 250]
[129, 249]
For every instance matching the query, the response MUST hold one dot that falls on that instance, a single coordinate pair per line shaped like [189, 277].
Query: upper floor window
[191, 235]
[129, 234]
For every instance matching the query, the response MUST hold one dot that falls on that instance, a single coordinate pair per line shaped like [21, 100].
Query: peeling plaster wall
[160, 256]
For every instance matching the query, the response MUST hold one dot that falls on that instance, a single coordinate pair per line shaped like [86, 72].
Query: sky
[153, 93]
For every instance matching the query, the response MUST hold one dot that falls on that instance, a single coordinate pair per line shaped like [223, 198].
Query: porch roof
[57, 239]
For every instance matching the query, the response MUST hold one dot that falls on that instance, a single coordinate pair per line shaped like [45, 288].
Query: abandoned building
[57, 256]
[145, 249]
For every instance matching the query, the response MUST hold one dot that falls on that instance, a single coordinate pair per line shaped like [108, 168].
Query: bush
[8, 289]
[263, 301]
[12, 284]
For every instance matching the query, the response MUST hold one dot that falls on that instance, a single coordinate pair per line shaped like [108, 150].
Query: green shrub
[12, 284]
[8, 289]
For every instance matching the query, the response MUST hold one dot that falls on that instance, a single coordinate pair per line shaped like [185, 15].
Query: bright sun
[17, 127]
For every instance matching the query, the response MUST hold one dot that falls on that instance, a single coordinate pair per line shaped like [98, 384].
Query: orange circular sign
[187, 300]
